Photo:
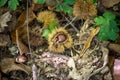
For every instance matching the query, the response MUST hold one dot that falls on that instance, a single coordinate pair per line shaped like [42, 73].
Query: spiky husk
[61, 47]
[46, 17]
[84, 9]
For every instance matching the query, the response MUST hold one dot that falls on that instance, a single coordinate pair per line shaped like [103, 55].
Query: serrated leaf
[65, 8]
[2, 2]
[99, 20]
[40, 1]
[59, 8]
[112, 35]
[46, 32]
[114, 26]
[109, 15]
[69, 2]
[103, 34]
[13, 4]
[108, 26]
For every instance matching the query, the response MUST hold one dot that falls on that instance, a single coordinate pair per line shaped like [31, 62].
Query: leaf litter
[87, 59]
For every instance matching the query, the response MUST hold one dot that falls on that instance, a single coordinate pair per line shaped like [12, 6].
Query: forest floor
[50, 41]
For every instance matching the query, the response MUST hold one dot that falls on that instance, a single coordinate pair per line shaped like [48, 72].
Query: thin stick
[28, 36]
[70, 23]
[17, 41]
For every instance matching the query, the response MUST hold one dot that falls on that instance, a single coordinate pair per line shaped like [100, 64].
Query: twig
[70, 23]
[17, 41]
[28, 36]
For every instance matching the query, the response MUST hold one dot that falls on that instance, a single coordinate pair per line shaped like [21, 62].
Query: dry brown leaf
[23, 17]
[114, 47]
[6, 17]
[87, 44]
[4, 40]
[8, 64]
[22, 48]
[84, 9]
[110, 3]
[36, 6]
[22, 30]
[21, 26]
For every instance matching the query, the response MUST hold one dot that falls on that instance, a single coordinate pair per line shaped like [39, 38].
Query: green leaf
[13, 4]
[109, 15]
[52, 26]
[103, 33]
[67, 9]
[46, 32]
[113, 26]
[99, 20]
[2, 2]
[108, 26]
[59, 8]
[69, 2]
[94, 1]
[40, 1]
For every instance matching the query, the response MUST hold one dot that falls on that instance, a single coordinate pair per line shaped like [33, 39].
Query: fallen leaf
[8, 64]
[36, 6]
[6, 17]
[110, 3]
[114, 47]
[22, 47]
[22, 24]
[23, 17]
[4, 40]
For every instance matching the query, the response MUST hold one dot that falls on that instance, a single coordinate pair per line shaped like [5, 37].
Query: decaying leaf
[8, 64]
[84, 9]
[23, 17]
[6, 17]
[73, 74]
[114, 47]
[22, 48]
[4, 40]
[110, 3]
[21, 26]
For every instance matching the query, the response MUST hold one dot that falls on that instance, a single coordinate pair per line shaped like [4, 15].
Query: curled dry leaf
[9, 64]
[84, 9]
[6, 17]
